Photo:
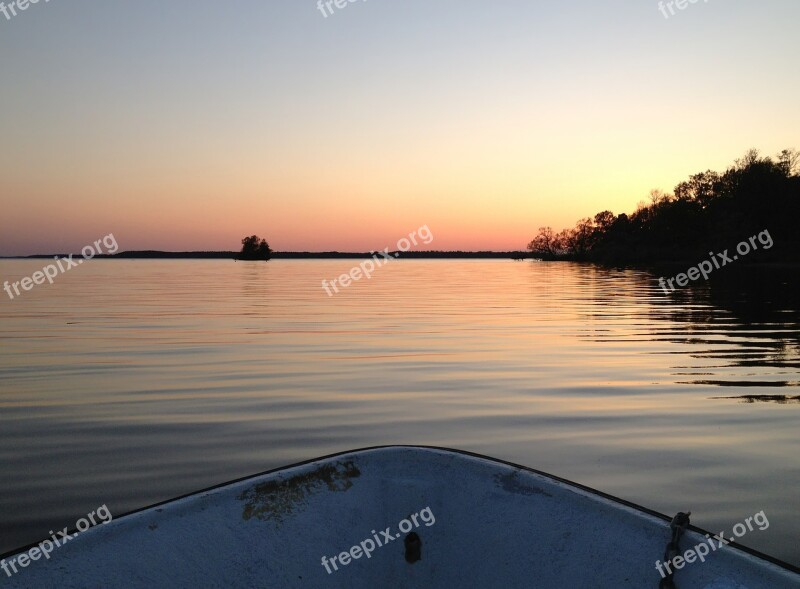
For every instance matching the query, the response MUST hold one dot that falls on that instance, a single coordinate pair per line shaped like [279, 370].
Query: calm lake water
[130, 382]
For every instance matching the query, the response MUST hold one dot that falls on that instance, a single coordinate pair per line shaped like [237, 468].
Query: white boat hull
[496, 525]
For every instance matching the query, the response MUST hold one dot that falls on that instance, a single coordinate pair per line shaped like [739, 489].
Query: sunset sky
[187, 125]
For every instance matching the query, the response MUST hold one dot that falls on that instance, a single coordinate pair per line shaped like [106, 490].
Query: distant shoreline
[159, 255]
[652, 266]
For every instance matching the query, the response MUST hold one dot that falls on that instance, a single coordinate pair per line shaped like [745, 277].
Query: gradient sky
[186, 125]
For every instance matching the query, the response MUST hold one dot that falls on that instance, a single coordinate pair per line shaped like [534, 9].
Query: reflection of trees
[779, 399]
[742, 326]
[755, 309]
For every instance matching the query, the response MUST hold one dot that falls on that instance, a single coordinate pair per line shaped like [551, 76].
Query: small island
[254, 249]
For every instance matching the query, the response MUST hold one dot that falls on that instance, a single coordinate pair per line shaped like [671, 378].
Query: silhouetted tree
[545, 243]
[255, 248]
[700, 188]
[604, 220]
[789, 161]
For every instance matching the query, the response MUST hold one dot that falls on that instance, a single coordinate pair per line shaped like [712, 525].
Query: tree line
[708, 210]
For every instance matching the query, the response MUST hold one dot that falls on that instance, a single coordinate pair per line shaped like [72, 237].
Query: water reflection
[779, 399]
[742, 327]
